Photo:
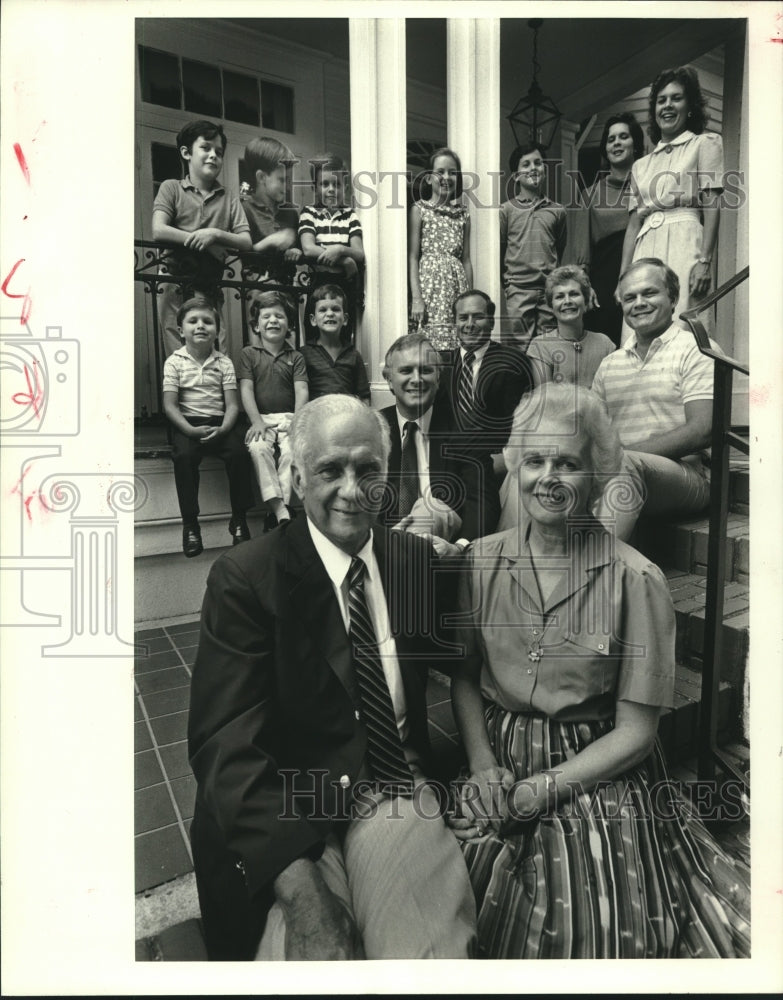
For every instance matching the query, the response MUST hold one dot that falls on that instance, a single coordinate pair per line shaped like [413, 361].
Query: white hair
[321, 409]
[573, 406]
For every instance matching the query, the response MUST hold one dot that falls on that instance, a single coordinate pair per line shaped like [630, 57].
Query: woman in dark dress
[602, 221]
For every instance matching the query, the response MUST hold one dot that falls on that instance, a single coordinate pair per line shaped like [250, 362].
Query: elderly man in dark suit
[314, 835]
[440, 480]
[483, 379]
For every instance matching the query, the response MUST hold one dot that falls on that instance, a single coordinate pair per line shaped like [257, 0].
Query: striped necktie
[465, 385]
[384, 746]
[409, 469]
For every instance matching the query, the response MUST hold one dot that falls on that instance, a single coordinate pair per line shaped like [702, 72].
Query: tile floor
[165, 788]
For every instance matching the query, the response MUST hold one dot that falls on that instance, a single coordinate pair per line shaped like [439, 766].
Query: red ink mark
[759, 395]
[28, 302]
[19, 483]
[30, 496]
[34, 392]
[29, 499]
[778, 40]
[11, 273]
[22, 161]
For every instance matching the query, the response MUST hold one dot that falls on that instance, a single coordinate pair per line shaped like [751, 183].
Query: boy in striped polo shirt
[201, 400]
[330, 233]
[657, 389]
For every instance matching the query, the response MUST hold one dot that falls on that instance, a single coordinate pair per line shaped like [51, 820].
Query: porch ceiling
[587, 63]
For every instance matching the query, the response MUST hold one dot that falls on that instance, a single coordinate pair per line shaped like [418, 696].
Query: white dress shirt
[478, 357]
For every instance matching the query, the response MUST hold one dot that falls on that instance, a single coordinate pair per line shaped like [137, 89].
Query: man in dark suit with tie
[314, 835]
[483, 379]
[439, 481]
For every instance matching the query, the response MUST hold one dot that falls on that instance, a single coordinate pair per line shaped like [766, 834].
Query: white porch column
[569, 155]
[378, 162]
[566, 186]
[473, 109]
[732, 331]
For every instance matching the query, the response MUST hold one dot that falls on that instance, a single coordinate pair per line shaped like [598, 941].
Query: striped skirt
[624, 871]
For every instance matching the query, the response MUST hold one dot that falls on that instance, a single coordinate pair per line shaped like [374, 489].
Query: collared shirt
[605, 633]
[534, 234]
[330, 228]
[200, 387]
[337, 564]
[188, 209]
[422, 446]
[265, 220]
[478, 357]
[674, 174]
[273, 376]
[647, 396]
[345, 373]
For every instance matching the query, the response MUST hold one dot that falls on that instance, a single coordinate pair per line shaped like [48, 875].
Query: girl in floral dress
[439, 264]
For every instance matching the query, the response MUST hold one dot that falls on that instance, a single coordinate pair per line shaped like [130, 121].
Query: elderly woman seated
[577, 843]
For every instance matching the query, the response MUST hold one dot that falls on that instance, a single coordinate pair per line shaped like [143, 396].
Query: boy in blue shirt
[198, 214]
[201, 400]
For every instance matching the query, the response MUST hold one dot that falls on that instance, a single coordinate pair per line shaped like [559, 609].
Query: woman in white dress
[675, 190]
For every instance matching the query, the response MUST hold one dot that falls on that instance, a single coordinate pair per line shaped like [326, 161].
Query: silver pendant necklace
[535, 650]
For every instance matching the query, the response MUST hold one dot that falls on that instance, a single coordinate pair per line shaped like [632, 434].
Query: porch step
[681, 544]
[689, 592]
[678, 727]
[166, 584]
[739, 485]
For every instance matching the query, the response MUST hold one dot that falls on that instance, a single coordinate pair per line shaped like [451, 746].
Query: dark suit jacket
[505, 374]
[273, 690]
[460, 474]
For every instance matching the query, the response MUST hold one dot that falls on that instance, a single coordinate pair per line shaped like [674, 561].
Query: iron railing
[723, 439]
[243, 274]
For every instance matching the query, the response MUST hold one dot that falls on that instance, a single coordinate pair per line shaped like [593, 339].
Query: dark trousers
[187, 453]
[233, 922]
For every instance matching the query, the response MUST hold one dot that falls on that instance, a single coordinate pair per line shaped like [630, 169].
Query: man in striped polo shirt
[657, 388]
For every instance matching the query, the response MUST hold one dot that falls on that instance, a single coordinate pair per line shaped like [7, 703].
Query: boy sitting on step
[201, 401]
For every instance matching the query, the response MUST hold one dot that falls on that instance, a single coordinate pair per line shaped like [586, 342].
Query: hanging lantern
[535, 116]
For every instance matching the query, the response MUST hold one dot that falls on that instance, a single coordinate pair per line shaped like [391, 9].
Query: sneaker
[238, 530]
[191, 540]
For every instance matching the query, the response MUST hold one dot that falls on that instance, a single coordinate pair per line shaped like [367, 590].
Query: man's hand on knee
[318, 926]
